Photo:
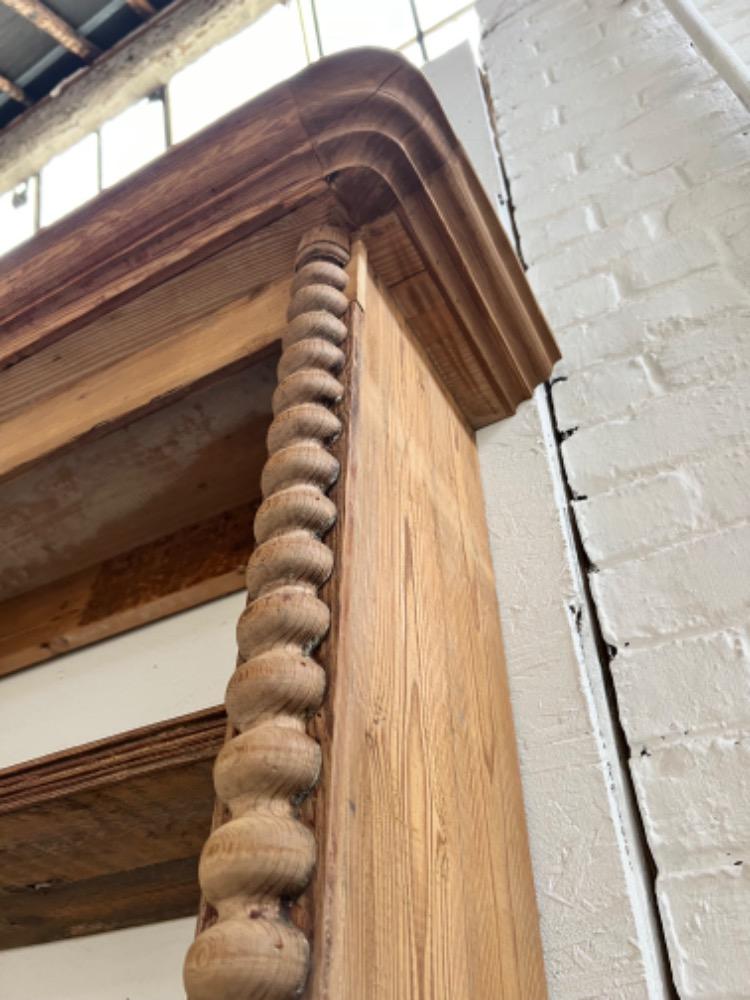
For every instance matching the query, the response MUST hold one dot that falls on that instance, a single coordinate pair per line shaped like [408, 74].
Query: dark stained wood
[106, 835]
[367, 113]
[179, 571]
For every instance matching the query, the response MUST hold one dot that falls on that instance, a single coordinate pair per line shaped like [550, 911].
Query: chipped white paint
[629, 166]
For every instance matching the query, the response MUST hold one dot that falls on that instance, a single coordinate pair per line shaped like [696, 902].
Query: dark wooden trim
[366, 125]
[107, 834]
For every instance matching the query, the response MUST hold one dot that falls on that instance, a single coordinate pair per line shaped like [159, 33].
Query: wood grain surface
[363, 128]
[106, 835]
[145, 380]
[176, 572]
[423, 886]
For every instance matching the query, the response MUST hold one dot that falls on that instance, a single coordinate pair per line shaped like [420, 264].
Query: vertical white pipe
[712, 46]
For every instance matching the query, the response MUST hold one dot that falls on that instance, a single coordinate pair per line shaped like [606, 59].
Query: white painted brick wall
[629, 166]
[731, 18]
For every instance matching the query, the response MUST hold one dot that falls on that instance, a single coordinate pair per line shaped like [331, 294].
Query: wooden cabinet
[296, 319]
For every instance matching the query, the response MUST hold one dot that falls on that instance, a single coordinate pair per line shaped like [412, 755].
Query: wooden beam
[186, 568]
[229, 337]
[46, 20]
[106, 835]
[143, 8]
[13, 90]
[142, 62]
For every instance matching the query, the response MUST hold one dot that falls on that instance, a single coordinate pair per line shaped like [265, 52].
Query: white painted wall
[629, 167]
[174, 666]
[141, 963]
[731, 18]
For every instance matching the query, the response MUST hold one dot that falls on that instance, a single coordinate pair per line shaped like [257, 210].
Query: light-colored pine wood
[175, 305]
[144, 380]
[262, 855]
[423, 886]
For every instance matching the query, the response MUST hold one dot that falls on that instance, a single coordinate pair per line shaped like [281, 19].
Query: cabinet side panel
[424, 887]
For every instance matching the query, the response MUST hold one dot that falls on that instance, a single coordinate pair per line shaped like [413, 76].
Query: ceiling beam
[46, 20]
[13, 90]
[137, 66]
[144, 8]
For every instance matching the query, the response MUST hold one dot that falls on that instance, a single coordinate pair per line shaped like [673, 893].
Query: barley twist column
[263, 856]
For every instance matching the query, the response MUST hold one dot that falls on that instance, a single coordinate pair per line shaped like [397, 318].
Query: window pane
[132, 139]
[69, 179]
[464, 29]
[17, 215]
[261, 55]
[432, 12]
[343, 24]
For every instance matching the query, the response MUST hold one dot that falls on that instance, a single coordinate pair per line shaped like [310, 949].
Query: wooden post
[263, 856]
[423, 887]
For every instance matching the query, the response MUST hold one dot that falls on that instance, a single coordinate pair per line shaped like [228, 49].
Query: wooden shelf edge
[64, 872]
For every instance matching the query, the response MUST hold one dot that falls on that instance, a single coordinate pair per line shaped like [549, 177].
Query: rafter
[144, 8]
[46, 20]
[13, 90]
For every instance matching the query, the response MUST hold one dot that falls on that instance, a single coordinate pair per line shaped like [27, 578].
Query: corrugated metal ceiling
[35, 62]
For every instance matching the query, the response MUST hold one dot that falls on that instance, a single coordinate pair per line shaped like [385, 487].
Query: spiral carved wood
[263, 856]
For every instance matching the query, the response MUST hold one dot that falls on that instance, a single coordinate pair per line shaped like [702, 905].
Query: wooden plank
[147, 379]
[241, 270]
[423, 884]
[106, 835]
[183, 569]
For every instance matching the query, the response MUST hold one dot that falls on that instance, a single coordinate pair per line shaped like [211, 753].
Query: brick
[639, 516]
[591, 186]
[601, 250]
[701, 299]
[631, 194]
[695, 801]
[563, 228]
[695, 586]
[602, 392]
[657, 511]
[582, 300]
[669, 260]
[708, 919]
[719, 195]
[685, 687]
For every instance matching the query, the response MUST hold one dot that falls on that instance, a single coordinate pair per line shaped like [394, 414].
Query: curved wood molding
[263, 856]
[364, 125]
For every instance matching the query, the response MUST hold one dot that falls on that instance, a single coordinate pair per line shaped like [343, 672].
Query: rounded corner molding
[362, 110]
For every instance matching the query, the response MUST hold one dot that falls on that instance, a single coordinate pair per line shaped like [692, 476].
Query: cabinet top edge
[363, 125]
